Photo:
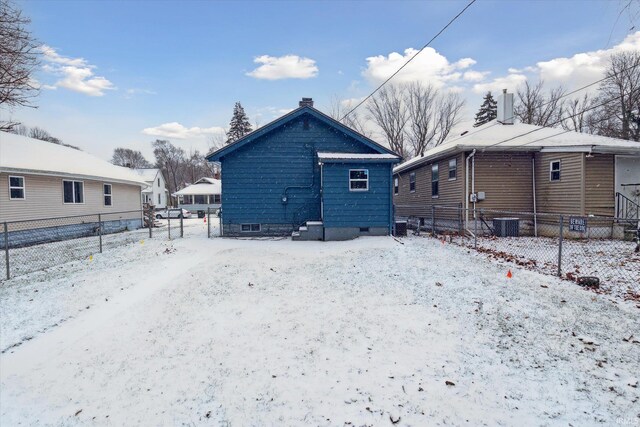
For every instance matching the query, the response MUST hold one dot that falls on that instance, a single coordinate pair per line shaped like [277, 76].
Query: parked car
[173, 213]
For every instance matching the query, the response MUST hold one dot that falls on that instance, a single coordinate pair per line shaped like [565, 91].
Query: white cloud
[130, 93]
[178, 131]
[570, 72]
[474, 76]
[76, 74]
[284, 67]
[428, 67]
[510, 82]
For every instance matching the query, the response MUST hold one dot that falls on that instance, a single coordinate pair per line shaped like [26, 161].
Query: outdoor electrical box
[481, 195]
[473, 197]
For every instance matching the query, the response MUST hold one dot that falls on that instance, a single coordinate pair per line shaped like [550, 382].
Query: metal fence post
[475, 229]
[208, 223]
[181, 224]
[6, 248]
[433, 221]
[100, 231]
[169, 223]
[560, 247]
[150, 221]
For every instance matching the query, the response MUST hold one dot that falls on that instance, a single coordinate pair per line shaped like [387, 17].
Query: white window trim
[551, 170]
[396, 185]
[104, 195]
[449, 170]
[74, 193]
[414, 182]
[358, 180]
[23, 188]
[250, 230]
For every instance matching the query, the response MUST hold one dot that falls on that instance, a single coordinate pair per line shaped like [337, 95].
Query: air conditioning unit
[506, 227]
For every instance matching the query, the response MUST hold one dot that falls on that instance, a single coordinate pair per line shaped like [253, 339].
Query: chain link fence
[595, 251]
[33, 245]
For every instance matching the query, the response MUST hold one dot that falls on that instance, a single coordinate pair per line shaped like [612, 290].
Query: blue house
[307, 175]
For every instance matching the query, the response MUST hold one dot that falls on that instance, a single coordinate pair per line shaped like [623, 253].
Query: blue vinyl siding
[345, 208]
[258, 174]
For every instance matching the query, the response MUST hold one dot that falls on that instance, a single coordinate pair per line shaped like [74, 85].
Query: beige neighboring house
[509, 166]
[40, 180]
[155, 193]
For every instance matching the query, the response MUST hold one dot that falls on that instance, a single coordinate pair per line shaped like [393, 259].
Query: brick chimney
[306, 102]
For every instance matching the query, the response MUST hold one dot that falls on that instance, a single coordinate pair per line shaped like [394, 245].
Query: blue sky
[116, 68]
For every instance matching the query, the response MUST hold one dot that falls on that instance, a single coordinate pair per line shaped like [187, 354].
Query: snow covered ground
[613, 261]
[204, 331]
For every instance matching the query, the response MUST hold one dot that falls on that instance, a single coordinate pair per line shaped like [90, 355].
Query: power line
[410, 59]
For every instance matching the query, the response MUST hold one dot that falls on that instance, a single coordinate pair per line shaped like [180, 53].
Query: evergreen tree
[239, 125]
[488, 110]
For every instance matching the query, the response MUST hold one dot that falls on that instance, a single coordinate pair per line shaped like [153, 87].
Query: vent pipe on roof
[505, 108]
[306, 102]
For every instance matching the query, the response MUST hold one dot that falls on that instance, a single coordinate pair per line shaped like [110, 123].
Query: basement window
[245, 228]
[16, 188]
[554, 170]
[358, 180]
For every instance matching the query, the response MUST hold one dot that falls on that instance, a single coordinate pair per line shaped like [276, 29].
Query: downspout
[466, 182]
[535, 213]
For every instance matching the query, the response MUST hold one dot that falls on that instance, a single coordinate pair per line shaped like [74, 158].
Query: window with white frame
[358, 179]
[249, 227]
[159, 199]
[412, 182]
[396, 185]
[16, 188]
[554, 170]
[158, 182]
[214, 198]
[107, 195]
[435, 180]
[453, 169]
[73, 192]
[200, 199]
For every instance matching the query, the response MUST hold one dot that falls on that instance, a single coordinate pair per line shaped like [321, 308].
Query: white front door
[628, 177]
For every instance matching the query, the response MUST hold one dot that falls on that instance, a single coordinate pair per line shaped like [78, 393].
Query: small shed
[203, 194]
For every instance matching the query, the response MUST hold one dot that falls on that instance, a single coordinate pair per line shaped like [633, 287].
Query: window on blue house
[358, 180]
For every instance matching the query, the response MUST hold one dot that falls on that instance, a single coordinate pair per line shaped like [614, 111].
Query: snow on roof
[27, 155]
[356, 156]
[202, 186]
[494, 136]
[148, 175]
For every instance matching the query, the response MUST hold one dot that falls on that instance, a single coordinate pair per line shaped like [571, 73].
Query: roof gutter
[76, 176]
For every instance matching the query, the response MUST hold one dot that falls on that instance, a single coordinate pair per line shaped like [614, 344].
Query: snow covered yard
[261, 332]
[613, 261]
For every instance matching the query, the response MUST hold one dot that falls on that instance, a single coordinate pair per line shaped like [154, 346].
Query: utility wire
[410, 59]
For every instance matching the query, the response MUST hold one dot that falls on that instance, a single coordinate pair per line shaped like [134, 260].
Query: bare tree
[21, 130]
[129, 158]
[388, 110]
[578, 119]
[197, 167]
[423, 125]
[19, 57]
[338, 109]
[620, 118]
[171, 160]
[534, 107]
[39, 133]
[448, 109]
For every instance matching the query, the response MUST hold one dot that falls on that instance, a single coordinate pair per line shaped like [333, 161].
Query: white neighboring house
[156, 192]
[202, 194]
[40, 180]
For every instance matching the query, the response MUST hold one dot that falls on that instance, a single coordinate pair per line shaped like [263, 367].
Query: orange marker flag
[205, 219]
[509, 274]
